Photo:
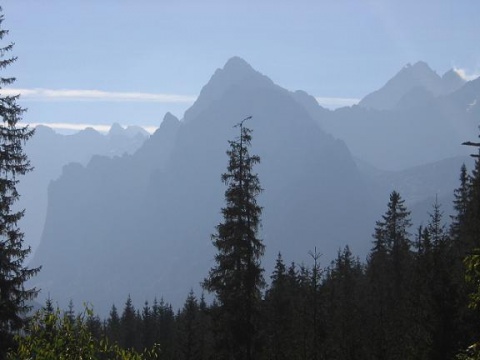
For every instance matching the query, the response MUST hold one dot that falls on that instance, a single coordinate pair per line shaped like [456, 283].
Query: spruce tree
[389, 272]
[458, 228]
[148, 327]
[343, 287]
[470, 229]
[13, 163]
[130, 338]
[114, 326]
[188, 337]
[236, 279]
[278, 314]
[444, 288]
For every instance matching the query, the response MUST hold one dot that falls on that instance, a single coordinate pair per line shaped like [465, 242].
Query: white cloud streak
[40, 94]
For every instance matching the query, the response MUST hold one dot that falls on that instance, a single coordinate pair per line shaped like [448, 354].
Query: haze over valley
[184, 180]
[131, 214]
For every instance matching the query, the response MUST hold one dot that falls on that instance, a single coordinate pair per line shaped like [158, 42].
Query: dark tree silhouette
[13, 162]
[237, 278]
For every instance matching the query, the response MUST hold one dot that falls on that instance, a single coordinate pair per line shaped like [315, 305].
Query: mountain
[420, 129]
[452, 81]
[408, 79]
[140, 223]
[49, 151]
[141, 226]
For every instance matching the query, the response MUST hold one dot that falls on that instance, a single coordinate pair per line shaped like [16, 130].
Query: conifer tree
[164, 328]
[113, 325]
[437, 298]
[236, 279]
[13, 163]
[471, 224]
[346, 319]
[129, 322]
[460, 204]
[444, 289]
[148, 327]
[279, 315]
[188, 336]
[205, 341]
[389, 272]
[318, 331]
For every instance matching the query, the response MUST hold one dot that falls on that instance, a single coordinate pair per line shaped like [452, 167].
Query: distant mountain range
[411, 79]
[426, 120]
[140, 223]
[49, 151]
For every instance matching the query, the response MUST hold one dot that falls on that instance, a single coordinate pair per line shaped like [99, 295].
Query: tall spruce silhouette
[237, 277]
[13, 162]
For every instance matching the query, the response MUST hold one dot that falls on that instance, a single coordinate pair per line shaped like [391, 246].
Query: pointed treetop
[240, 124]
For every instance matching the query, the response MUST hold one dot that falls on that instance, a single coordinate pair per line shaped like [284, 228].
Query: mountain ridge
[408, 78]
[162, 217]
[146, 217]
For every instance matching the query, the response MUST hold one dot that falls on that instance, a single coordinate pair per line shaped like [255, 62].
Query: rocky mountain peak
[236, 72]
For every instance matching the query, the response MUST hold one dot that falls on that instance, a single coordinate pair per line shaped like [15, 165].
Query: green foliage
[472, 276]
[50, 335]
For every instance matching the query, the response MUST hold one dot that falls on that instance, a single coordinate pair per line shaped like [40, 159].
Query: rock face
[140, 224]
[49, 151]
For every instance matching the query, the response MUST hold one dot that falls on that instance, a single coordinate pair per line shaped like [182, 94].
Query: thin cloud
[333, 103]
[40, 94]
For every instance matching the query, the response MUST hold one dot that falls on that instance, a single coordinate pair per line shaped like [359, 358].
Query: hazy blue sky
[141, 58]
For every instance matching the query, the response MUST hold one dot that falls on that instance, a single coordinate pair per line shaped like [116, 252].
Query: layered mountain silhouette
[49, 151]
[411, 78]
[422, 127]
[140, 224]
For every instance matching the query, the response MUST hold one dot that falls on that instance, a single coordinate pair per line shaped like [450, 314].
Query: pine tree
[205, 341]
[148, 327]
[113, 326]
[466, 234]
[129, 326]
[278, 311]
[237, 278]
[471, 224]
[444, 288]
[188, 335]
[318, 331]
[437, 296]
[13, 162]
[164, 328]
[389, 272]
[460, 204]
[344, 284]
